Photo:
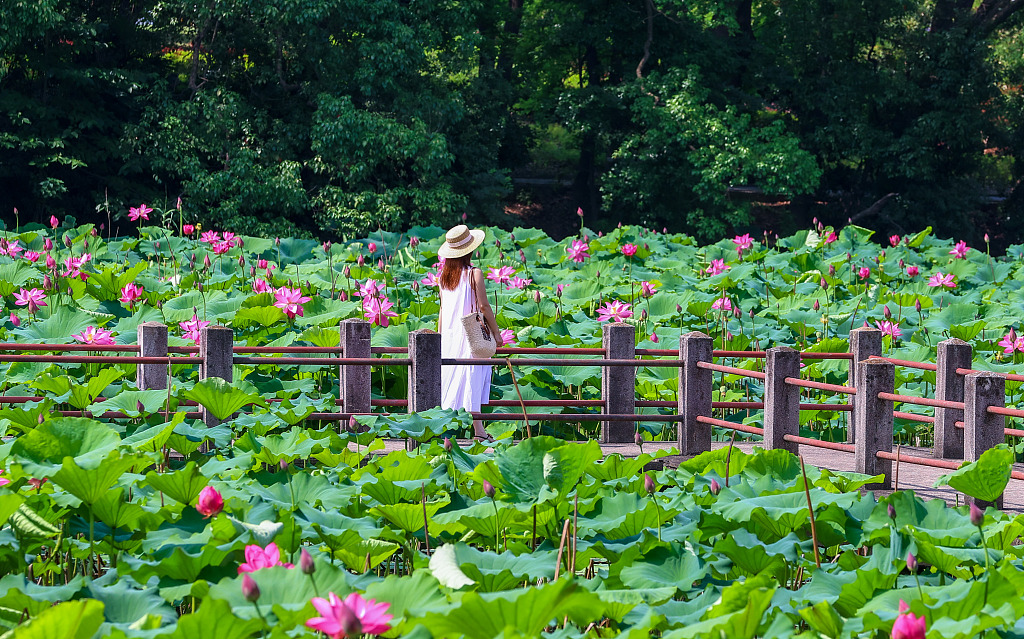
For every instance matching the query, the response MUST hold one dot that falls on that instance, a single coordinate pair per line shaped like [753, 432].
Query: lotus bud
[902, 264]
[751, 313]
[70, 292]
[831, 270]
[646, 247]
[464, 217]
[199, 286]
[891, 511]
[192, 260]
[579, 211]
[597, 274]
[886, 312]
[814, 221]
[415, 286]
[40, 419]
[448, 444]
[241, 260]
[638, 439]
[917, 304]
[343, 296]
[488, 489]
[619, 225]
[536, 297]
[664, 229]
[654, 338]
[289, 283]
[47, 244]
[1013, 335]
[360, 260]
[817, 306]
[277, 241]
[15, 320]
[729, 336]
[586, 238]
[252, 271]
[250, 590]
[715, 487]
[522, 256]
[911, 562]
[823, 283]
[353, 424]
[306, 564]
[67, 241]
[977, 515]
[512, 237]
[46, 282]
[327, 246]
[206, 261]
[283, 464]
[261, 264]
[643, 316]
[600, 233]
[139, 407]
[94, 232]
[210, 502]
[380, 264]
[54, 223]
[414, 241]
[679, 309]
[649, 485]
[240, 242]
[848, 257]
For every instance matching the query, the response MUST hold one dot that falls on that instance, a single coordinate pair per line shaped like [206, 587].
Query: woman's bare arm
[485, 306]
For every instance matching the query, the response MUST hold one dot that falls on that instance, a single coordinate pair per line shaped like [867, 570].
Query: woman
[462, 292]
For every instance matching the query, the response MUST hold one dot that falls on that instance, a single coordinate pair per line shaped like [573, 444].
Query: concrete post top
[952, 341]
[695, 335]
[215, 328]
[986, 375]
[779, 350]
[618, 326]
[876, 364]
[866, 329]
[153, 325]
[354, 320]
[424, 331]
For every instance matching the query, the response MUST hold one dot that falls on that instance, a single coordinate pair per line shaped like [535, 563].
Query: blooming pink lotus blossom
[614, 311]
[501, 275]
[10, 247]
[429, 280]
[210, 502]
[33, 298]
[257, 558]
[290, 300]
[210, 237]
[912, 271]
[221, 247]
[73, 266]
[894, 240]
[136, 212]
[371, 288]
[130, 293]
[352, 617]
[31, 256]
[3, 480]
[578, 251]
[54, 223]
[508, 336]
[94, 335]
[831, 237]
[960, 249]
[889, 328]
[231, 238]
[518, 283]
[192, 329]
[907, 625]
[377, 310]
[262, 264]
[647, 289]
[1011, 342]
[629, 250]
[863, 272]
[743, 242]
[717, 267]
[942, 280]
[261, 286]
[187, 229]
[722, 303]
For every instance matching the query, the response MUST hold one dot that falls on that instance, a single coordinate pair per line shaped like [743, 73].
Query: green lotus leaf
[58, 327]
[128, 402]
[457, 565]
[68, 620]
[183, 485]
[125, 602]
[90, 484]
[539, 468]
[279, 586]
[9, 504]
[222, 398]
[43, 449]
[986, 478]
[675, 567]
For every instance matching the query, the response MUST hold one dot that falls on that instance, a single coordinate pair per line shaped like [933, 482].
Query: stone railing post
[216, 348]
[694, 394]
[618, 383]
[355, 379]
[781, 400]
[982, 429]
[874, 419]
[949, 440]
[152, 343]
[425, 370]
[865, 343]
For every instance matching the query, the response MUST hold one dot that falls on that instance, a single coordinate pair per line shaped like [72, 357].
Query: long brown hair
[452, 270]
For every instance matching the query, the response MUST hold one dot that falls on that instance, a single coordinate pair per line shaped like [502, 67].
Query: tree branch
[649, 4]
[875, 208]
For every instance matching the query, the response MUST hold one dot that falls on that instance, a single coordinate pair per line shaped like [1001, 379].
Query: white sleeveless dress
[461, 386]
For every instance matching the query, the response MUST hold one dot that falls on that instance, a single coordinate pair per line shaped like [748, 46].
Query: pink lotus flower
[559, 288]
[894, 240]
[231, 238]
[15, 320]
[959, 251]
[615, 311]
[31, 256]
[654, 337]
[73, 266]
[32, 298]
[831, 237]
[942, 280]
[221, 247]
[11, 247]
[50, 262]
[864, 272]
[137, 212]
[130, 293]
[210, 237]
[647, 289]
[723, 304]
[371, 288]
[907, 625]
[629, 250]
[377, 310]
[192, 329]
[890, 329]
[94, 335]
[518, 283]
[372, 248]
[508, 337]
[54, 223]
[261, 286]
[257, 558]
[743, 242]
[262, 264]
[429, 280]
[912, 271]
[290, 300]
[352, 617]
[210, 502]
[717, 267]
[47, 244]
[578, 251]
[501, 275]
[1011, 343]
[187, 229]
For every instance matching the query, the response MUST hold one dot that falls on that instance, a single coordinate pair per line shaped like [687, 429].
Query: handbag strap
[472, 286]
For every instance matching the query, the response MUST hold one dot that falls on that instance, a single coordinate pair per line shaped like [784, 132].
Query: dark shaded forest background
[336, 117]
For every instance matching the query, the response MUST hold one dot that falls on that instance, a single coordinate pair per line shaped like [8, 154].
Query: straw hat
[460, 241]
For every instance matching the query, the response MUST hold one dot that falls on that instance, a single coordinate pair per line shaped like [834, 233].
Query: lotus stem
[810, 512]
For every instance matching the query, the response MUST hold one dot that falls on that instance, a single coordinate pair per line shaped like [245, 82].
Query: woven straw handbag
[481, 342]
